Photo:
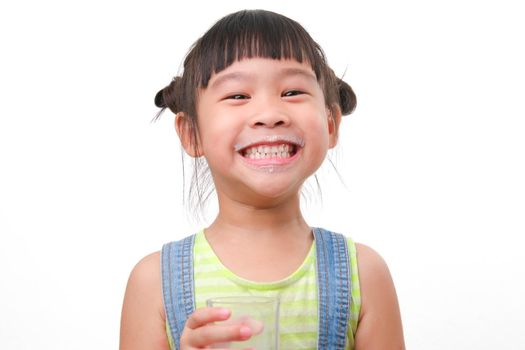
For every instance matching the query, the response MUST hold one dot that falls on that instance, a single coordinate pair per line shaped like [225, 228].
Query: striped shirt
[297, 294]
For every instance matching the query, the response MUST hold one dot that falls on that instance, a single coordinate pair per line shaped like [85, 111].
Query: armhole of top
[168, 333]
[355, 306]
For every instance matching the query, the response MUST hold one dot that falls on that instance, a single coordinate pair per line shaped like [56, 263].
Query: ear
[187, 135]
[334, 119]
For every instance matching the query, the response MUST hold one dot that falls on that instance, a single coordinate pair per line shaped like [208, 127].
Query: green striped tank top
[297, 294]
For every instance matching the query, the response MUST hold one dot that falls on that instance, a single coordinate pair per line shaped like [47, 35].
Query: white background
[432, 159]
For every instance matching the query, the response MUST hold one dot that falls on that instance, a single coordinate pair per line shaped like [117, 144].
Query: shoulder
[143, 318]
[379, 319]
[147, 264]
[144, 278]
[372, 266]
[374, 276]
[145, 281]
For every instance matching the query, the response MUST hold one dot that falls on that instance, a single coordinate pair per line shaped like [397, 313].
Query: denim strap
[177, 284]
[333, 283]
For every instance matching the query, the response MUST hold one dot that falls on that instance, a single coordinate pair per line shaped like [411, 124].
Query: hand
[200, 331]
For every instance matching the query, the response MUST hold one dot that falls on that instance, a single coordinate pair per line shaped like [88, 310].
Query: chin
[278, 192]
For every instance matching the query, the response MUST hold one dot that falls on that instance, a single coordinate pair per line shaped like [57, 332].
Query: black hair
[247, 34]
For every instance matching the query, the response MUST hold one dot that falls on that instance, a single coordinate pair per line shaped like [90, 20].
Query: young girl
[259, 103]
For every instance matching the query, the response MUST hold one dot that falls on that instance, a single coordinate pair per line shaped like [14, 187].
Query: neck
[259, 222]
[246, 237]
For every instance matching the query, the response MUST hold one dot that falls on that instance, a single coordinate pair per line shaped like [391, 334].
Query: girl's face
[264, 128]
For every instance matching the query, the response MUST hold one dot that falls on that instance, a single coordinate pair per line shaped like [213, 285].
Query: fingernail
[245, 332]
[224, 313]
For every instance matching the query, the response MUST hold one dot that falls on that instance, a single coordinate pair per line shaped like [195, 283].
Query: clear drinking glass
[261, 314]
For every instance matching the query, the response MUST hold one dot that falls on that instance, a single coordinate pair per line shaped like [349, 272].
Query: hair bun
[347, 98]
[159, 99]
[167, 97]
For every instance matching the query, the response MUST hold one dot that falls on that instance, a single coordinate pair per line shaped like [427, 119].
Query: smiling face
[263, 128]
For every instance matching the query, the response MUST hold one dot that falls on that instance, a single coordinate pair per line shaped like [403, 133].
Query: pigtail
[347, 98]
[169, 97]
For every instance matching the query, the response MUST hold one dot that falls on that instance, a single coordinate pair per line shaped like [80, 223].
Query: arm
[379, 326]
[143, 321]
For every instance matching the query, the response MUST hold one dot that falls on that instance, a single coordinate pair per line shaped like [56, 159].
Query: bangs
[249, 34]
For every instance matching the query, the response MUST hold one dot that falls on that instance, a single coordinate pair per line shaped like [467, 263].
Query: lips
[271, 151]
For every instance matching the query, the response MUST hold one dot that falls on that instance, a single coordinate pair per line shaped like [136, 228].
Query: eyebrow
[242, 76]
[239, 76]
[299, 71]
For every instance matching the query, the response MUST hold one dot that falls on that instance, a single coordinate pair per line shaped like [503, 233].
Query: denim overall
[333, 284]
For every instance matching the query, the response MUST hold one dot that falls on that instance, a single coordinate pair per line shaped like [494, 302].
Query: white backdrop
[433, 159]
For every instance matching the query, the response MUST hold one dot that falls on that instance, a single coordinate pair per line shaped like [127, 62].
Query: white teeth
[273, 139]
[274, 151]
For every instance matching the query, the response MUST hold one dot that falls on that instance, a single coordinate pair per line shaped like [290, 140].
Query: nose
[270, 118]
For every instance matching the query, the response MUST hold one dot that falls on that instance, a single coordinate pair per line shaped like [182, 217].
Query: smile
[266, 151]
[271, 151]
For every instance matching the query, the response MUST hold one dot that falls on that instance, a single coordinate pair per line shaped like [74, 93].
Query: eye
[291, 93]
[237, 97]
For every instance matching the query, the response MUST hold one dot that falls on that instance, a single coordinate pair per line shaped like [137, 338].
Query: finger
[205, 315]
[216, 334]
[256, 326]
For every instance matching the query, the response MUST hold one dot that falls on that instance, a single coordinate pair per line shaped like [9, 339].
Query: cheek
[217, 137]
[320, 135]
[320, 124]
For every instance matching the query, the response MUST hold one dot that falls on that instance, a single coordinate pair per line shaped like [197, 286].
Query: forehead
[252, 68]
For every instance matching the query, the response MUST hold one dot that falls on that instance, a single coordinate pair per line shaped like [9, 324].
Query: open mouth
[268, 151]
[272, 153]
